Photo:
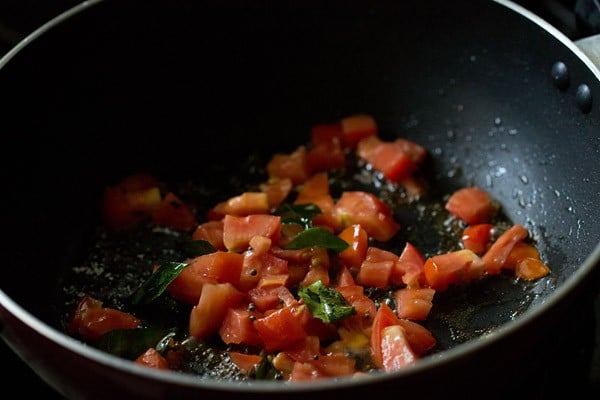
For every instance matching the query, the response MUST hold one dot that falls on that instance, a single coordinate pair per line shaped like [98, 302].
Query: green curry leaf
[325, 303]
[198, 248]
[301, 214]
[320, 237]
[156, 284]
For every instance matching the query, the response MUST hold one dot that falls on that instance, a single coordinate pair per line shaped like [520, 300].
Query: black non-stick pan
[186, 90]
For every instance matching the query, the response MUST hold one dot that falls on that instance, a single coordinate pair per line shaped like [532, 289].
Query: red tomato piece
[238, 231]
[245, 362]
[452, 268]
[207, 316]
[477, 238]
[531, 268]
[277, 190]
[123, 209]
[212, 232]
[292, 166]
[238, 328]
[357, 127]
[414, 304]
[495, 257]
[245, 204]
[375, 273]
[91, 320]
[326, 133]
[368, 211]
[220, 266]
[520, 251]
[420, 338]
[174, 213]
[325, 156]
[473, 205]
[280, 329]
[385, 317]
[152, 359]
[396, 352]
[358, 241]
[392, 161]
[408, 269]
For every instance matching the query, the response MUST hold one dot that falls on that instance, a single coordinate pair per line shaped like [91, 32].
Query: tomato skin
[152, 359]
[220, 266]
[215, 299]
[91, 320]
[277, 190]
[238, 231]
[368, 211]
[245, 362]
[421, 340]
[530, 268]
[473, 205]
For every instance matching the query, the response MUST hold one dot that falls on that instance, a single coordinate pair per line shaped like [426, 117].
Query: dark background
[575, 18]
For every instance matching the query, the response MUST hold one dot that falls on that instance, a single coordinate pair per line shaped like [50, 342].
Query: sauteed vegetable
[302, 274]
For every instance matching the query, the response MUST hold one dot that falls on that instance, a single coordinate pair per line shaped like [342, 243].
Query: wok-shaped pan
[186, 89]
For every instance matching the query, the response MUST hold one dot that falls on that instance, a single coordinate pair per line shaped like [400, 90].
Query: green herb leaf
[301, 214]
[320, 237]
[265, 370]
[325, 303]
[198, 248]
[152, 288]
[130, 343]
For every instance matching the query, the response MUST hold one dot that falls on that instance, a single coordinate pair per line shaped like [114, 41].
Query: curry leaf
[301, 214]
[325, 303]
[154, 286]
[265, 370]
[130, 343]
[200, 247]
[320, 237]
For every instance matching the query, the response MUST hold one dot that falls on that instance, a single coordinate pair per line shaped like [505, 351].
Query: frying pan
[187, 89]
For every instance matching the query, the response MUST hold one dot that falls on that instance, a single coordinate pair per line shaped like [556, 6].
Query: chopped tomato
[238, 328]
[368, 211]
[420, 338]
[395, 349]
[473, 205]
[408, 269]
[138, 182]
[477, 237]
[414, 304]
[123, 209]
[220, 266]
[375, 273]
[495, 257]
[316, 190]
[326, 133]
[452, 268]
[385, 317]
[212, 232]
[245, 204]
[357, 127]
[520, 251]
[174, 213]
[238, 231]
[245, 362]
[280, 328]
[358, 241]
[91, 320]
[531, 268]
[277, 190]
[153, 359]
[215, 300]
[325, 156]
[292, 166]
